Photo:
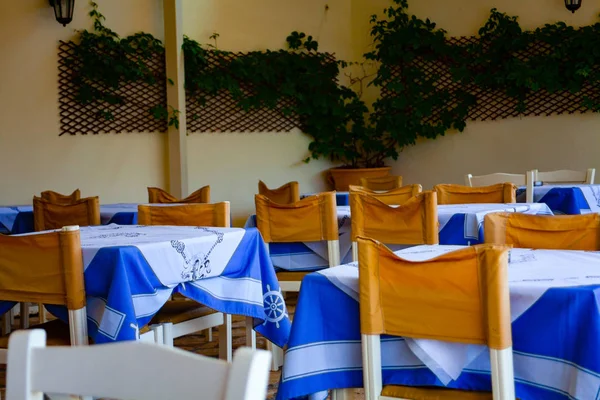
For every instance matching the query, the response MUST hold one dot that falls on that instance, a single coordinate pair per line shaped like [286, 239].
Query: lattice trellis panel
[492, 104]
[133, 116]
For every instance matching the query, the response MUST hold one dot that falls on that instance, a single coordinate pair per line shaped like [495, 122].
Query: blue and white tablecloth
[556, 326]
[131, 271]
[566, 199]
[19, 219]
[460, 224]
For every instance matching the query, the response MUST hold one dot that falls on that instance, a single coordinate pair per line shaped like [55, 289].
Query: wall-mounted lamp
[63, 10]
[572, 5]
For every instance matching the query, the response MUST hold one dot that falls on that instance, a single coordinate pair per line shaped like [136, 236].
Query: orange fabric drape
[382, 183]
[43, 268]
[559, 232]
[83, 212]
[185, 215]
[311, 219]
[461, 296]
[61, 199]
[414, 222]
[391, 197]
[156, 195]
[285, 194]
[458, 194]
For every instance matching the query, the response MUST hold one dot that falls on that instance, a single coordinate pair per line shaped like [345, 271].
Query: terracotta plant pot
[341, 178]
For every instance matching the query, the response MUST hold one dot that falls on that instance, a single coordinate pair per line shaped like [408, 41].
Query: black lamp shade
[573, 5]
[63, 10]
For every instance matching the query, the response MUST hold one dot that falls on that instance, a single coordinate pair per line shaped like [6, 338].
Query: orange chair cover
[311, 219]
[559, 232]
[285, 194]
[414, 222]
[156, 195]
[43, 268]
[185, 215]
[83, 212]
[458, 194]
[382, 183]
[391, 197]
[62, 199]
[461, 296]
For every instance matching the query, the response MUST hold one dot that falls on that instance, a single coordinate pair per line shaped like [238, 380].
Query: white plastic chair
[492, 179]
[130, 370]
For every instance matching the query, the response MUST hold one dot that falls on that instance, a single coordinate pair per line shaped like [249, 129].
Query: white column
[177, 143]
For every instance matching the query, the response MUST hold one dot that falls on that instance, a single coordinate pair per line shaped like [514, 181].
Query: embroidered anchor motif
[198, 265]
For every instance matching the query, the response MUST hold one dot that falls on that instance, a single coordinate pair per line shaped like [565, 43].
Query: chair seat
[292, 276]
[57, 334]
[177, 311]
[433, 393]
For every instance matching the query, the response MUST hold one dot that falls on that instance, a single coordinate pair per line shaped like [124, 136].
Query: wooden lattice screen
[491, 104]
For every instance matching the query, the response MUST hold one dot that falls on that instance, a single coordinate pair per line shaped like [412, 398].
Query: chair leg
[250, 333]
[6, 325]
[24, 317]
[226, 339]
[209, 334]
[42, 313]
[342, 394]
[277, 356]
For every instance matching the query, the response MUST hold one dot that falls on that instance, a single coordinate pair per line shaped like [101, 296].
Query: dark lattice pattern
[493, 104]
[221, 113]
[132, 116]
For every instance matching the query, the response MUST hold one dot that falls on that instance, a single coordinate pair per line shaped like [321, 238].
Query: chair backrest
[83, 212]
[413, 222]
[390, 197]
[217, 215]
[566, 176]
[156, 195]
[460, 296]
[559, 232]
[57, 198]
[311, 219]
[285, 194]
[382, 183]
[46, 268]
[458, 194]
[493, 179]
[130, 370]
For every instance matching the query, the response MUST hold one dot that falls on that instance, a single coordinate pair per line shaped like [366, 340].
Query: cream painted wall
[118, 168]
[511, 145]
[232, 163]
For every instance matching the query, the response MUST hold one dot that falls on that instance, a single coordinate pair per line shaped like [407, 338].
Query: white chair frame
[128, 370]
[492, 179]
[559, 176]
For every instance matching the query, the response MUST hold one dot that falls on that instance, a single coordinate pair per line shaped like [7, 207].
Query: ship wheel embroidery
[274, 306]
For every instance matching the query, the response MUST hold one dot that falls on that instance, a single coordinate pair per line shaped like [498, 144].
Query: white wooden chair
[492, 179]
[130, 370]
[558, 177]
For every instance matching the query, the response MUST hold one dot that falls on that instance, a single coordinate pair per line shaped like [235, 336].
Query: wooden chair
[156, 195]
[457, 194]
[383, 183]
[285, 194]
[425, 300]
[390, 197]
[493, 179]
[83, 212]
[181, 316]
[62, 199]
[130, 370]
[560, 232]
[413, 222]
[558, 177]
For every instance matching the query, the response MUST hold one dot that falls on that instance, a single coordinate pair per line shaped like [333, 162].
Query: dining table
[130, 272]
[19, 219]
[566, 198]
[555, 314]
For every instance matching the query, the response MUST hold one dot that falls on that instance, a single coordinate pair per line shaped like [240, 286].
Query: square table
[566, 199]
[555, 316]
[131, 271]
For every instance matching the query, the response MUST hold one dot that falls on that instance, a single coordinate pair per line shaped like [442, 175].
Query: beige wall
[32, 155]
[511, 145]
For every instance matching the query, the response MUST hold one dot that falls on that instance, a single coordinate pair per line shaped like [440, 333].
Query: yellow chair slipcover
[83, 212]
[62, 199]
[382, 183]
[390, 197]
[460, 297]
[156, 195]
[285, 194]
[217, 214]
[558, 232]
[458, 194]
